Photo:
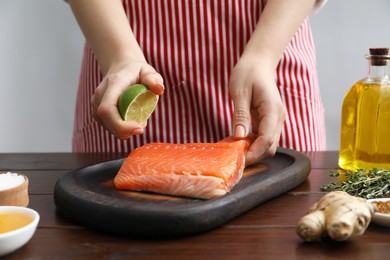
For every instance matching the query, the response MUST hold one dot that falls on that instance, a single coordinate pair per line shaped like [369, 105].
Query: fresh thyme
[370, 184]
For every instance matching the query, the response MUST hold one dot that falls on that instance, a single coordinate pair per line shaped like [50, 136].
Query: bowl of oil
[17, 226]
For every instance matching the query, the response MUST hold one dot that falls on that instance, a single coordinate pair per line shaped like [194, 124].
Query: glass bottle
[365, 119]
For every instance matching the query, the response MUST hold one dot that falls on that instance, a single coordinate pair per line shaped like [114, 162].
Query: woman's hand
[117, 80]
[257, 103]
[258, 107]
[121, 61]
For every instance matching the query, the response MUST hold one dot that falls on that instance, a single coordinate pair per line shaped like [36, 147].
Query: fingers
[105, 111]
[149, 77]
[268, 135]
[241, 120]
[258, 108]
[104, 101]
[241, 117]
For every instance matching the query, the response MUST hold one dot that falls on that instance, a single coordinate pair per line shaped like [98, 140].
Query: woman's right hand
[121, 61]
[116, 81]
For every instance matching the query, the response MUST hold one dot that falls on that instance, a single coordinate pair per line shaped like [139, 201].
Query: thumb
[241, 117]
[151, 78]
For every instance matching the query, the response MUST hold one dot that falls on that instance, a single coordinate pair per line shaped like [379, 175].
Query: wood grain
[264, 232]
[88, 197]
[222, 243]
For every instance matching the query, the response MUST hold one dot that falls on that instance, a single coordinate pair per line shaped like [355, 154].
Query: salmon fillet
[198, 170]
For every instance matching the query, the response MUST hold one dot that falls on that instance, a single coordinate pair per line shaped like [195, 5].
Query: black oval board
[88, 197]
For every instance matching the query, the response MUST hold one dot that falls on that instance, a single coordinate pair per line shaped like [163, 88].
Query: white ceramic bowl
[381, 218]
[13, 240]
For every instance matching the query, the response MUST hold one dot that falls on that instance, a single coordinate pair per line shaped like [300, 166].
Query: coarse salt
[10, 180]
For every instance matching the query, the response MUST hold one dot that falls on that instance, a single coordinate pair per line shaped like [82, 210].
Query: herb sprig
[369, 184]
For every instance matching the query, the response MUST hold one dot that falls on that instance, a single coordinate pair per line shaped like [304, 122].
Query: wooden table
[265, 232]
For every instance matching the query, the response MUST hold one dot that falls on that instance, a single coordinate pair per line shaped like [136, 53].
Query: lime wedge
[137, 103]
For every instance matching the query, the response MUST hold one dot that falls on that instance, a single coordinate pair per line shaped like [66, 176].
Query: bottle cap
[379, 56]
[379, 51]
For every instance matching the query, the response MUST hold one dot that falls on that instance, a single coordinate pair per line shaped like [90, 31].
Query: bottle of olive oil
[365, 119]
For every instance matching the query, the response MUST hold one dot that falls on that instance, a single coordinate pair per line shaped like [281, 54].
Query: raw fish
[197, 170]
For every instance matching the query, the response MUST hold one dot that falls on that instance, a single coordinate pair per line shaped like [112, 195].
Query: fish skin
[197, 170]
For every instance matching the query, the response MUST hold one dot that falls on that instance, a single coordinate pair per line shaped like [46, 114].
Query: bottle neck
[378, 73]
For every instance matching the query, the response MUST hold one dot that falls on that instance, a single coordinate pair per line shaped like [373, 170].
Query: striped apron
[194, 45]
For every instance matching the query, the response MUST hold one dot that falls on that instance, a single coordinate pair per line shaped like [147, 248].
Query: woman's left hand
[258, 107]
[257, 103]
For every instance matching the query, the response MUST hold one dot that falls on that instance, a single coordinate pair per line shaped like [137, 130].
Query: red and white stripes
[194, 45]
[298, 86]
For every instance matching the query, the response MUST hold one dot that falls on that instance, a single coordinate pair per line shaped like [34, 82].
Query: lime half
[137, 103]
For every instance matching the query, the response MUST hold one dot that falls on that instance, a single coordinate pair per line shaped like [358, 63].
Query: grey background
[40, 56]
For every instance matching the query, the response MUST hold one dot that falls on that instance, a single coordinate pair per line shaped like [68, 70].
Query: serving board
[87, 196]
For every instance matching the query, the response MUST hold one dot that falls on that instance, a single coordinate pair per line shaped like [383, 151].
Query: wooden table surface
[265, 232]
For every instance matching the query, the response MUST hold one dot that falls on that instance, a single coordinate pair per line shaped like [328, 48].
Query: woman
[221, 67]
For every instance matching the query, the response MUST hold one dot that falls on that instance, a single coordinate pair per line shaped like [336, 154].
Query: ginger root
[337, 215]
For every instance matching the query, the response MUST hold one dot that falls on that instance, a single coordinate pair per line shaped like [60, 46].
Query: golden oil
[365, 119]
[13, 220]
